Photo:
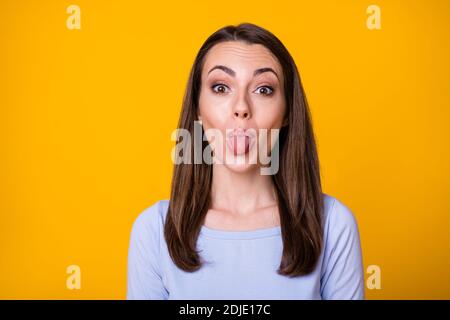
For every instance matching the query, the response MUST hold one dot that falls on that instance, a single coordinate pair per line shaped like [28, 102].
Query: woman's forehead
[239, 54]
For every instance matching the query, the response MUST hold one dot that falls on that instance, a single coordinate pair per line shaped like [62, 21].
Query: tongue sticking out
[239, 144]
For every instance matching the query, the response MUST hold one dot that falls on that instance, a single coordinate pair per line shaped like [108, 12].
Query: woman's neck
[241, 193]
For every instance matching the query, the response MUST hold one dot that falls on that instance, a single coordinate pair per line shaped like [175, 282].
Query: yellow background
[86, 117]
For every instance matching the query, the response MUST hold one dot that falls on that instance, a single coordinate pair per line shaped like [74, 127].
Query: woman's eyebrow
[262, 70]
[223, 68]
[232, 73]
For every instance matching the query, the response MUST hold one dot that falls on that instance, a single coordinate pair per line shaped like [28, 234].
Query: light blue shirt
[242, 264]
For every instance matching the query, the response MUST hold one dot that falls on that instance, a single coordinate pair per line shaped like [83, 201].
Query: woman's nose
[242, 114]
[241, 109]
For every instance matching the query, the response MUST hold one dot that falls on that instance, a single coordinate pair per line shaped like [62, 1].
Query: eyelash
[271, 89]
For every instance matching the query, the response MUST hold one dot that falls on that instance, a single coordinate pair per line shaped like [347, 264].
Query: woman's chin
[243, 167]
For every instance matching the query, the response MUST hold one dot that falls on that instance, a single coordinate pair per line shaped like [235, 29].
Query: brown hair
[297, 182]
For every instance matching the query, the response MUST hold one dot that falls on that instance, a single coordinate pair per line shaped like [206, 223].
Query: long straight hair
[297, 181]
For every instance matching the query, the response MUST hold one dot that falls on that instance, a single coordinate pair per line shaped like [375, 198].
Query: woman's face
[242, 92]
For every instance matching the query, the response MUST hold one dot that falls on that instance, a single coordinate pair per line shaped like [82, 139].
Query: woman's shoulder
[151, 217]
[338, 215]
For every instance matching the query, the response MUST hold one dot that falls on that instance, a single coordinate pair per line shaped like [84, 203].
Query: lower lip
[239, 144]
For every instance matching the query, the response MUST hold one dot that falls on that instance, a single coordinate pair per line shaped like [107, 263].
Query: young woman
[230, 229]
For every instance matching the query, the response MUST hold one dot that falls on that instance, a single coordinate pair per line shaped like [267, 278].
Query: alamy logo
[234, 147]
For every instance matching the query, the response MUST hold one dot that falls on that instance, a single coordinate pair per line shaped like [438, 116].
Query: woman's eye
[220, 88]
[264, 90]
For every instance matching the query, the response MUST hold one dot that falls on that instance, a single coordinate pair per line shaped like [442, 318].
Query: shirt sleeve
[342, 275]
[144, 280]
